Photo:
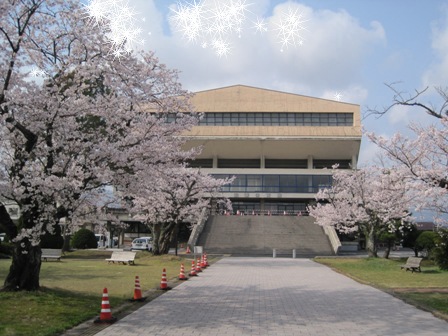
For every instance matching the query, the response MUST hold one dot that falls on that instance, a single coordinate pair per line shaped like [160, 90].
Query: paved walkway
[266, 296]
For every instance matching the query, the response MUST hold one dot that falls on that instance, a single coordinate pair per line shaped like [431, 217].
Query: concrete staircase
[259, 235]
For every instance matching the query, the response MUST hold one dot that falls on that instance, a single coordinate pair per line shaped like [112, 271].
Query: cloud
[369, 153]
[437, 73]
[399, 114]
[354, 94]
[331, 58]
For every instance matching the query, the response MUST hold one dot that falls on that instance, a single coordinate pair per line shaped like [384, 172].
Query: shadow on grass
[432, 271]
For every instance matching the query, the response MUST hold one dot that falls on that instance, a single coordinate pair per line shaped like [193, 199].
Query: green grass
[427, 290]
[72, 290]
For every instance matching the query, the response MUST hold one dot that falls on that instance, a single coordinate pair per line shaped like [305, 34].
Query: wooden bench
[412, 264]
[51, 254]
[122, 257]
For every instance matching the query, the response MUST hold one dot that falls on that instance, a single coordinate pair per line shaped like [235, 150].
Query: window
[274, 119]
[276, 183]
[279, 164]
[329, 163]
[238, 163]
[201, 163]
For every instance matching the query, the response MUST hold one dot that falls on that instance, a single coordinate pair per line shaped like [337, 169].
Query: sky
[345, 50]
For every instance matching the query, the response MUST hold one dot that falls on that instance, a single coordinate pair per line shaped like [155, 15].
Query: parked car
[104, 241]
[142, 243]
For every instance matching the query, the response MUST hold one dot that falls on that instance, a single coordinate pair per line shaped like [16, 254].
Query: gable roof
[242, 98]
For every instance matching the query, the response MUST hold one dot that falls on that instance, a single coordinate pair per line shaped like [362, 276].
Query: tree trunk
[387, 251]
[25, 269]
[155, 239]
[371, 245]
[26, 258]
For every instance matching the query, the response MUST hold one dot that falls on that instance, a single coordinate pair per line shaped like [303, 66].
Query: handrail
[333, 237]
[197, 228]
[258, 212]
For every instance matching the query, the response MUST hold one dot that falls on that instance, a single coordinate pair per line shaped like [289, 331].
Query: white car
[142, 243]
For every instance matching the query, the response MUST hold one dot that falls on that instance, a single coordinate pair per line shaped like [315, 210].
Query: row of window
[272, 119]
[276, 183]
[276, 119]
[270, 163]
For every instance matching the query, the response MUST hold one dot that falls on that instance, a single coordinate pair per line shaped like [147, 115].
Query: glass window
[321, 182]
[270, 183]
[201, 163]
[254, 183]
[307, 119]
[287, 183]
[238, 163]
[283, 119]
[250, 118]
[272, 119]
[234, 118]
[239, 184]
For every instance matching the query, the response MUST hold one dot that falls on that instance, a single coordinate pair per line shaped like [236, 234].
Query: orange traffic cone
[105, 315]
[137, 291]
[163, 283]
[198, 266]
[193, 271]
[182, 273]
[188, 250]
[205, 260]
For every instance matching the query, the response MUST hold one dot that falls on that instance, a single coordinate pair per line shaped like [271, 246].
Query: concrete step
[259, 235]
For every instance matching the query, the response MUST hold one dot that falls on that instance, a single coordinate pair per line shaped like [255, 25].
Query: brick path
[266, 296]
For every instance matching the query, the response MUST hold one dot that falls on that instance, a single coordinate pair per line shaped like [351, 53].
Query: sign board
[198, 250]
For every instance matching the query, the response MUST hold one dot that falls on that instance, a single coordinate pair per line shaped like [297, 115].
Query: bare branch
[412, 99]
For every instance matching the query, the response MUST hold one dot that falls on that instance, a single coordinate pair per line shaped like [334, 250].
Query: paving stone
[266, 296]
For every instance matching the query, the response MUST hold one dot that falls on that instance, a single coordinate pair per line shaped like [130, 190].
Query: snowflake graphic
[210, 22]
[36, 72]
[289, 28]
[338, 96]
[260, 25]
[119, 22]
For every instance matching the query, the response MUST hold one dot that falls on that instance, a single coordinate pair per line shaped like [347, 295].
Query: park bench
[122, 257]
[412, 264]
[51, 254]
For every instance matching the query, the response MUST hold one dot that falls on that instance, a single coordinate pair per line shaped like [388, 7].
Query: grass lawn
[72, 290]
[427, 290]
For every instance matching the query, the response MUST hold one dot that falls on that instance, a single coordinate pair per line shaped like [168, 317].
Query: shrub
[83, 239]
[440, 252]
[427, 241]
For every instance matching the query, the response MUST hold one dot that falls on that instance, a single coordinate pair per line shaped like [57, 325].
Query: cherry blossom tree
[424, 154]
[90, 121]
[174, 196]
[369, 201]
[424, 159]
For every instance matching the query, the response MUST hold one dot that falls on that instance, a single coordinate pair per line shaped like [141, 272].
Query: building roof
[242, 98]
[425, 226]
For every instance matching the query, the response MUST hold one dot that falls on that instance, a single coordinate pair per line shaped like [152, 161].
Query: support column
[354, 162]
[215, 161]
[310, 162]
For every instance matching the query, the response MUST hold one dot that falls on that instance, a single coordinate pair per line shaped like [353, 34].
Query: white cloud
[331, 58]
[437, 73]
[354, 94]
[399, 114]
[369, 154]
